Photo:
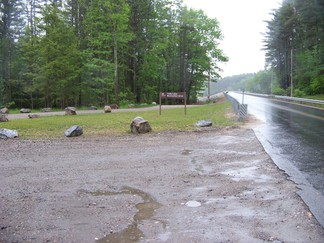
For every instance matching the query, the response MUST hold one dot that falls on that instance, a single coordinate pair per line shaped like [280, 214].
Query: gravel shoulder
[208, 185]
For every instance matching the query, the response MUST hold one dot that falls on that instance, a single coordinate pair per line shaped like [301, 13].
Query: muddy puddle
[146, 211]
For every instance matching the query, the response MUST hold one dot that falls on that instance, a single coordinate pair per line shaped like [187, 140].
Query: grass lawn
[118, 123]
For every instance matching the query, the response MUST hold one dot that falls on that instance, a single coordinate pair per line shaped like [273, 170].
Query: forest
[294, 45]
[58, 53]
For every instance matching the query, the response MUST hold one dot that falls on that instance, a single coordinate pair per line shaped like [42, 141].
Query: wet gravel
[142, 188]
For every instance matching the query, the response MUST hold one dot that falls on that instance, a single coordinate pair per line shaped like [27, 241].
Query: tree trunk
[116, 66]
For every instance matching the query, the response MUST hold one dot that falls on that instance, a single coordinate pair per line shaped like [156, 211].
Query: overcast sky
[242, 25]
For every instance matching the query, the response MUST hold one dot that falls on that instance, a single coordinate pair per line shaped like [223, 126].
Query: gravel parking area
[209, 185]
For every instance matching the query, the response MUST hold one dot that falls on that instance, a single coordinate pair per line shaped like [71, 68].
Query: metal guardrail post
[243, 112]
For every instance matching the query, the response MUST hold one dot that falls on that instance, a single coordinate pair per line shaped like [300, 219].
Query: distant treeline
[294, 45]
[55, 53]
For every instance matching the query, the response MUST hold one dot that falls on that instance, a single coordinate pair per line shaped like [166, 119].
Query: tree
[294, 45]
[199, 52]
[107, 34]
[59, 55]
[10, 29]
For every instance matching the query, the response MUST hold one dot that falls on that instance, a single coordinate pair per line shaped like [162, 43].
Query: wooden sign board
[174, 96]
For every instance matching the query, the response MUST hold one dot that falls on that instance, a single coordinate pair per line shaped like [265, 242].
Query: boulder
[107, 109]
[74, 131]
[114, 106]
[139, 125]
[47, 109]
[70, 110]
[4, 111]
[3, 118]
[7, 133]
[25, 110]
[153, 103]
[204, 123]
[33, 116]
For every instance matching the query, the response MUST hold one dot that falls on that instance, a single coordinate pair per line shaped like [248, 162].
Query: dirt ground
[209, 185]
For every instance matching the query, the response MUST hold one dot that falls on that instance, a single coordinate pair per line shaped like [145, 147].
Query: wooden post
[185, 102]
[160, 102]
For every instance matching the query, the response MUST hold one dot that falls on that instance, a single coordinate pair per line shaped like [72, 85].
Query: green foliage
[103, 51]
[260, 83]
[295, 44]
[276, 90]
[317, 85]
[299, 93]
[231, 83]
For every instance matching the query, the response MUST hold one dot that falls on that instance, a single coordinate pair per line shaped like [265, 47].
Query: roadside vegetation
[81, 53]
[118, 123]
[294, 47]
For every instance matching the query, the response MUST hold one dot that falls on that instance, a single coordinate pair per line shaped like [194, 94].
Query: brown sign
[177, 95]
[174, 96]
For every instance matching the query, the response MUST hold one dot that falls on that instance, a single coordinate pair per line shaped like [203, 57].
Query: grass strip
[118, 123]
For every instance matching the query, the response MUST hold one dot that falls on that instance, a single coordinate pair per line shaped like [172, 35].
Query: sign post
[174, 96]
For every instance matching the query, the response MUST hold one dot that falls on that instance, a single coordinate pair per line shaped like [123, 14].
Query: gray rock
[47, 109]
[25, 110]
[4, 111]
[204, 123]
[3, 118]
[74, 131]
[139, 125]
[7, 133]
[33, 116]
[70, 110]
[107, 109]
[114, 106]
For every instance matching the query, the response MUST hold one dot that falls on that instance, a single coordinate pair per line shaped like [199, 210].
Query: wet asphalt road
[293, 136]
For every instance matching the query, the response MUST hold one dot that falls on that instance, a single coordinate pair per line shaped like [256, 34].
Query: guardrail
[239, 109]
[311, 102]
[299, 100]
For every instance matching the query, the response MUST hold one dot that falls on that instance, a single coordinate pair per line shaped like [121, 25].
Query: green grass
[316, 97]
[116, 124]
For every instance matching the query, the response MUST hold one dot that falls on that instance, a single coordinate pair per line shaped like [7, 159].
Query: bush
[317, 85]
[278, 91]
[299, 93]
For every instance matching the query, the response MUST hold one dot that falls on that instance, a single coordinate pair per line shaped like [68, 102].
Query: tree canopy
[294, 45]
[93, 52]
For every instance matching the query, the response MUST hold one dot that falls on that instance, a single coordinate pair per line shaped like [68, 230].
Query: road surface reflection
[293, 135]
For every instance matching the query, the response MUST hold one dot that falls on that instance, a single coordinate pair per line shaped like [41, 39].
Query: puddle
[248, 173]
[146, 211]
[193, 204]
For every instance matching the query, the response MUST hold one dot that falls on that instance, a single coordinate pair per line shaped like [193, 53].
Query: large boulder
[7, 133]
[70, 110]
[4, 111]
[25, 110]
[3, 118]
[74, 131]
[139, 125]
[107, 109]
